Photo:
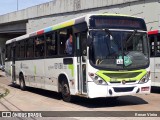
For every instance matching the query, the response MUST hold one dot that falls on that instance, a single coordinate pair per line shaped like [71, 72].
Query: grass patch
[5, 93]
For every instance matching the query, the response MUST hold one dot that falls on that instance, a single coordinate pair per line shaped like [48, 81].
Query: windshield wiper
[125, 46]
[108, 31]
[110, 35]
[130, 38]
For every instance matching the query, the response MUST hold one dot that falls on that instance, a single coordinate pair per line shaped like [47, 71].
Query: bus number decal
[57, 66]
[157, 66]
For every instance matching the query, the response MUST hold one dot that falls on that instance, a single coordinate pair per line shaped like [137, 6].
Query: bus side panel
[17, 70]
[24, 67]
[8, 70]
[53, 68]
[50, 75]
[157, 72]
[152, 68]
[39, 73]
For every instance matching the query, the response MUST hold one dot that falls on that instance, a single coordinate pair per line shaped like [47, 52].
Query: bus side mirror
[89, 41]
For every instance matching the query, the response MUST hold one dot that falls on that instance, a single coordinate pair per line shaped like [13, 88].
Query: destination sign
[117, 22]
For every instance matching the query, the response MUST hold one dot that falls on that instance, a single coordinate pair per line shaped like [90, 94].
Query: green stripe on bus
[71, 67]
[63, 25]
[103, 74]
[35, 70]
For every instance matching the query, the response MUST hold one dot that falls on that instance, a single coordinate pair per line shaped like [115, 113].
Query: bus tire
[13, 84]
[66, 96]
[22, 83]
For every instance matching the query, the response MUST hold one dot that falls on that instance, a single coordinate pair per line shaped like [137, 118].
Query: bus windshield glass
[119, 50]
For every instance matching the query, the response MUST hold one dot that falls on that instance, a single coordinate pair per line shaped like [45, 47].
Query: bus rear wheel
[66, 96]
[22, 83]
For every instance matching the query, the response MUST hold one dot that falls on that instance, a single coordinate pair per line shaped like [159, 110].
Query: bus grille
[123, 89]
[112, 82]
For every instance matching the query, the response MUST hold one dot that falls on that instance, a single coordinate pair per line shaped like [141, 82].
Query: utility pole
[17, 5]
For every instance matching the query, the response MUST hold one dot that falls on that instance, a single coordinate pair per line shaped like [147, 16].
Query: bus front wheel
[21, 82]
[66, 96]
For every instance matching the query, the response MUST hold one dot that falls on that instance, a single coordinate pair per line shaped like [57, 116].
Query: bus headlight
[96, 79]
[145, 78]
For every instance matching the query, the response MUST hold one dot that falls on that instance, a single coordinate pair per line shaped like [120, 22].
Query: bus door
[13, 72]
[155, 59]
[81, 61]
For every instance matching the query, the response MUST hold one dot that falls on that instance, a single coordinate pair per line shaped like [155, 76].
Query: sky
[7, 6]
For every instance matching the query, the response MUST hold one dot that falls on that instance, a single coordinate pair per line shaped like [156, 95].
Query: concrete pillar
[2, 49]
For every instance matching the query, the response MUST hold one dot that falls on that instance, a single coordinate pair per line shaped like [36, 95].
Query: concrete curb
[3, 92]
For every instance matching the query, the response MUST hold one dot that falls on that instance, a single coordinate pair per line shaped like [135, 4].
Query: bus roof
[17, 38]
[63, 25]
[153, 32]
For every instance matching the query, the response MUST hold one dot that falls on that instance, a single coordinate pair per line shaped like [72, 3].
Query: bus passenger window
[152, 46]
[66, 42]
[17, 50]
[158, 46]
[29, 48]
[69, 44]
[39, 46]
[22, 49]
[8, 52]
[51, 44]
[62, 41]
[84, 43]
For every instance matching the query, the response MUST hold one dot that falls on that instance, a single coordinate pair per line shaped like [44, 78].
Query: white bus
[109, 57]
[154, 38]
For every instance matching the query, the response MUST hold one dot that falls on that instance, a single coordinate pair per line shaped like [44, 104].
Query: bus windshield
[119, 50]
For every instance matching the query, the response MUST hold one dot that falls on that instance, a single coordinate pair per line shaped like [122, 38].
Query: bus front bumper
[95, 91]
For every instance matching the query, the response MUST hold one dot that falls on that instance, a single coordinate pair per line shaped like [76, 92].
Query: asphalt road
[42, 100]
